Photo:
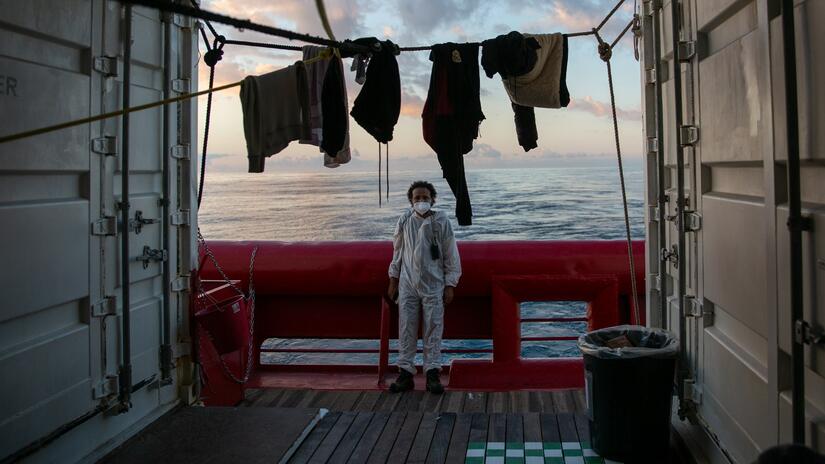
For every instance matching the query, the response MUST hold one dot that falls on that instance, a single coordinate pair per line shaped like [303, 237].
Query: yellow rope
[322, 12]
[77, 122]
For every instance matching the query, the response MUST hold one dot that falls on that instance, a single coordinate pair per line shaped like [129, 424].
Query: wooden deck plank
[534, 402]
[423, 438]
[310, 444]
[410, 401]
[562, 401]
[367, 401]
[404, 440]
[475, 402]
[325, 399]
[440, 444]
[532, 427]
[479, 427]
[515, 428]
[309, 398]
[520, 402]
[582, 427]
[346, 400]
[370, 437]
[452, 402]
[251, 395]
[351, 438]
[549, 428]
[387, 401]
[547, 403]
[497, 430]
[385, 442]
[271, 401]
[567, 427]
[578, 400]
[333, 438]
[497, 402]
[459, 438]
[431, 403]
[292, 399]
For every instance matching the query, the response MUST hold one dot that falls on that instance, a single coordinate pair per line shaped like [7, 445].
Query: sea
[581, 201]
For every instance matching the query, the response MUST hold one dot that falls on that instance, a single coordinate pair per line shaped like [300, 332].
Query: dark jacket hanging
[452, 114]
[378, 105]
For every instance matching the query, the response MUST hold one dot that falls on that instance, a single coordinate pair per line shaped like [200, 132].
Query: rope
[322, 12]
[605, 53]
[206, 130]
[379, 174]
[112, 114]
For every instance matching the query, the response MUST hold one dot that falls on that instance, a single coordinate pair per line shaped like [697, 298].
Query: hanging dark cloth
[378, 105]
[335, 124]
[452, 114]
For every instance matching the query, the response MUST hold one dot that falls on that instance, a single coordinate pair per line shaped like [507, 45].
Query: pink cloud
[602, 109]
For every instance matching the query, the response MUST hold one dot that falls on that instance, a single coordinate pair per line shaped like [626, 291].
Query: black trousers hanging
[452, 114]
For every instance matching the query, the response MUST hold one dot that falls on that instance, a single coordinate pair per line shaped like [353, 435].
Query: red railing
[333, 290]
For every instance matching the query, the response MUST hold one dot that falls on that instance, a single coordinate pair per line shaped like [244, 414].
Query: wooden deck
[547, 427]
[548, 402]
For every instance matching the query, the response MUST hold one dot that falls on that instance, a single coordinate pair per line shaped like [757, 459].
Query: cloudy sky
[582, 129]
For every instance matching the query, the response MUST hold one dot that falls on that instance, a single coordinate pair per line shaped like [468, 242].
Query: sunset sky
[584, 128]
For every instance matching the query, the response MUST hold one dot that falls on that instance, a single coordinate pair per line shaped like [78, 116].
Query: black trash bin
[629, 386]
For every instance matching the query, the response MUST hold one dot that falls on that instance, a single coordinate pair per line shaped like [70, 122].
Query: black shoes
[434, 383]
[403, 383]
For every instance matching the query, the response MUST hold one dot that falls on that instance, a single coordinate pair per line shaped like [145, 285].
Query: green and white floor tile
[532, 452]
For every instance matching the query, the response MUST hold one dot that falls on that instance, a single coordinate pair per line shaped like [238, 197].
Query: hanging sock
[275, 110]
[452, 115]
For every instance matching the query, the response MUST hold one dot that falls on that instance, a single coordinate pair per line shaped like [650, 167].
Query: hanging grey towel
[275, 110]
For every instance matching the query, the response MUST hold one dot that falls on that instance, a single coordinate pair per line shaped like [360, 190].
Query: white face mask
[421, 207]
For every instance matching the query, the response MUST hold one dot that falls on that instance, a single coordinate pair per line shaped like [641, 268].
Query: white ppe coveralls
[421, 283]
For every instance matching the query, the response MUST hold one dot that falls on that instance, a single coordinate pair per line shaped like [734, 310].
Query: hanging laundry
[452, 115]
[378, 105]
[275, 110]
[325, 79]
[528, 60]
[545, 85]
[359, 65]
[512, 55]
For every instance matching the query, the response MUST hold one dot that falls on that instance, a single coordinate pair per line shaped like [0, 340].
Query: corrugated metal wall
[737, 263]
[62, 60]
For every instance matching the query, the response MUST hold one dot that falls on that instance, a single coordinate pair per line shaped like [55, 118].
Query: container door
[50, 275]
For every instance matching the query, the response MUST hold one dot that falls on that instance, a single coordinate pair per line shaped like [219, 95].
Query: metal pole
[794, 221]
[660, 163]
[166, 336]
[125, 371]
[680, 194]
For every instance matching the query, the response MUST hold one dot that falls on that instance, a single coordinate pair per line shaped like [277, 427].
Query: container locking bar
[152, 255]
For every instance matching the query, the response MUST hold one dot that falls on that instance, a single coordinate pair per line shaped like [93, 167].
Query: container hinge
[689, 135]
[181, 284]
[671, 255]
[696, 310]
[136, 224]
[655, 282]
[180, 218]
[107, 225]
[693, 392]
[805, 334]
[107, 387]
[652, 145]
[650, 76]
[152, 255]
[182, 21]
[105, 307]
[106, 65]
[106, 145]
[180, 152]
[687, 50]
[693, 221]
[181, 85]
[653, 213]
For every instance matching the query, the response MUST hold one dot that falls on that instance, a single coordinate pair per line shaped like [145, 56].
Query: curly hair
[421, 184]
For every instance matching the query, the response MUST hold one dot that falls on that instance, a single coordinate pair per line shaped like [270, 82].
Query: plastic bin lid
[629, 341]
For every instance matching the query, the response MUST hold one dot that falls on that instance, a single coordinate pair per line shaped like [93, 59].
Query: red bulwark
[335, 290]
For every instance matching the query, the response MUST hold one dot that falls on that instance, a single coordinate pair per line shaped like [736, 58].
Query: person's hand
[448, 295]
[392, 290]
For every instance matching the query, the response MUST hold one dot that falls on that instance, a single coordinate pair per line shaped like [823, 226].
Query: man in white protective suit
[424, 272]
